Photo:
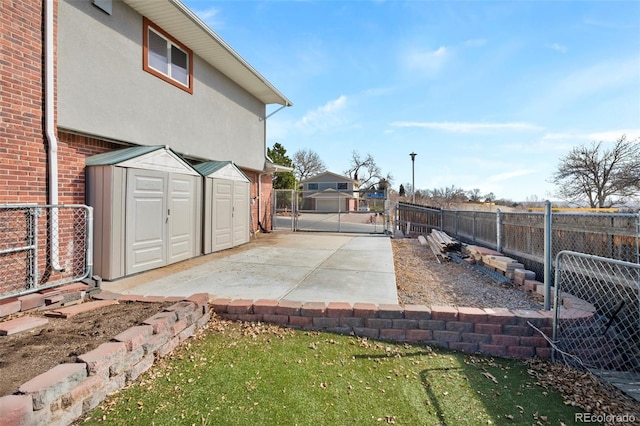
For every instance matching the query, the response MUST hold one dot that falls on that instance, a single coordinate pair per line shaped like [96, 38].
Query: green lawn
[257, 374]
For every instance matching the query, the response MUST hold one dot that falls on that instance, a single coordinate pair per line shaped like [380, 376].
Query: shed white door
[159, 219]
[230, 213]
[241, 208]
[222, 214]
[181, 206]
[146, 209]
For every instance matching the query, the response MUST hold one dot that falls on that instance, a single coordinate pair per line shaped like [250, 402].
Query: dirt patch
[25, 355]
[422, 280]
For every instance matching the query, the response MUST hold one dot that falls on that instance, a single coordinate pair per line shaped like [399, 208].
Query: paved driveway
[304, 267]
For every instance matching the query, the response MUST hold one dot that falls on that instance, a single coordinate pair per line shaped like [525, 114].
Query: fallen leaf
[490, 377]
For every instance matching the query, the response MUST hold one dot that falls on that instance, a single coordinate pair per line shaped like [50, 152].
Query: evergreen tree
[281, 180]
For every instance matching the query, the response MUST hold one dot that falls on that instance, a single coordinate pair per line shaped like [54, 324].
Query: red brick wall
[264, 212]
[23, 163]
[72, 153]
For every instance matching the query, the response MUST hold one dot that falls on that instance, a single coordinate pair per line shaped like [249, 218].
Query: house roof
[327, 173]
[179, 21]
[331, 193]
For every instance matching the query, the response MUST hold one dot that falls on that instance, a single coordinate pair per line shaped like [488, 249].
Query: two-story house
[114, 79]
[330, 192]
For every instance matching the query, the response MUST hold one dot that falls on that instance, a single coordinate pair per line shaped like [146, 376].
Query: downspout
[259, 197]
[49, 106]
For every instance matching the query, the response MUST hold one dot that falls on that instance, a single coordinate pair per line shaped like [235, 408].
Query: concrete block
[474, 315]
[49, 386]
[17, 325]
[392, 334]
[286, 307]
[135, 337]
[9, 306]
[339, 310]
[103, 356]
[417, 312]
[31, 301]
[447, 336]
[444, 313]
[476, 338]
[390, 311]
[404, 324]
[460, 326]
[265, 306]
[418, 335]
[313, 309]
[240, 306]
[365, 310]
[503, 340]
[488, 328]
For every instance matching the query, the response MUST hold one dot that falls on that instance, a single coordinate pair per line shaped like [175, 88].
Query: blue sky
[489, 94]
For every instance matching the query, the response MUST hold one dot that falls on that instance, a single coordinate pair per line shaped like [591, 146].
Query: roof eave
[209, 46]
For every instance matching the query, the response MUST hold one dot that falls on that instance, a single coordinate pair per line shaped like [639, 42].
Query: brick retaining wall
[489, 331]
[499, 332]
[68, 391]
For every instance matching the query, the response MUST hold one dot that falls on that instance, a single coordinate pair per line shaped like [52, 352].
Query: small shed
[147, 203]
[227, 205]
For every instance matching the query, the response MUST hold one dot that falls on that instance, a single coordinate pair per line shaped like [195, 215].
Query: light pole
[413, 178]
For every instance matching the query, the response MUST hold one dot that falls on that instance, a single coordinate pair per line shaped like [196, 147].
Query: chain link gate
[43, 247]
[299, 211]
[597, 316]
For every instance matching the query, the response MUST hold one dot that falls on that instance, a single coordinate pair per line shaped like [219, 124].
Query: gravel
[421, 280]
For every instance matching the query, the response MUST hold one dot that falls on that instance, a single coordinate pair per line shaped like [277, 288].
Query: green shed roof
[114, 157]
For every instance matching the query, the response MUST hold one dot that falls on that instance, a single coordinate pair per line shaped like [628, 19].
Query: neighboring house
[330, 192]
[81, 78]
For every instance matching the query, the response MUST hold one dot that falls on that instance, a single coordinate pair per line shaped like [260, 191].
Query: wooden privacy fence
[521, 235]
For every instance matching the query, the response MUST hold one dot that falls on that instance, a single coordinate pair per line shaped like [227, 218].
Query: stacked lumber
[441, 244]
[504, 264]
[445, 242]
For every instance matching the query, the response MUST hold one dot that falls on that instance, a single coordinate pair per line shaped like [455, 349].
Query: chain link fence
[521, 235]
[597, 314]
[325, 211]
[43, 246]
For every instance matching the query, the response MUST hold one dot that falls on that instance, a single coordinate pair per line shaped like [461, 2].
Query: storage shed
[147, 204]
[227, 205]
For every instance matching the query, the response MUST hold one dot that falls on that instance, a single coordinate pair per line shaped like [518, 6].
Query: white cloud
[426, 61]
[466, 127]
[325, 116]
[558, 47]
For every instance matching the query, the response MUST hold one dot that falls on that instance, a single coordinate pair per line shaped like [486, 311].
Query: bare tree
[366, 171]
[307, 163]
[474, 195]
[604, 177]
[448, 196]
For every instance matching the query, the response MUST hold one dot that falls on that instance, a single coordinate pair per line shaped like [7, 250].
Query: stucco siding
[104, 91]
